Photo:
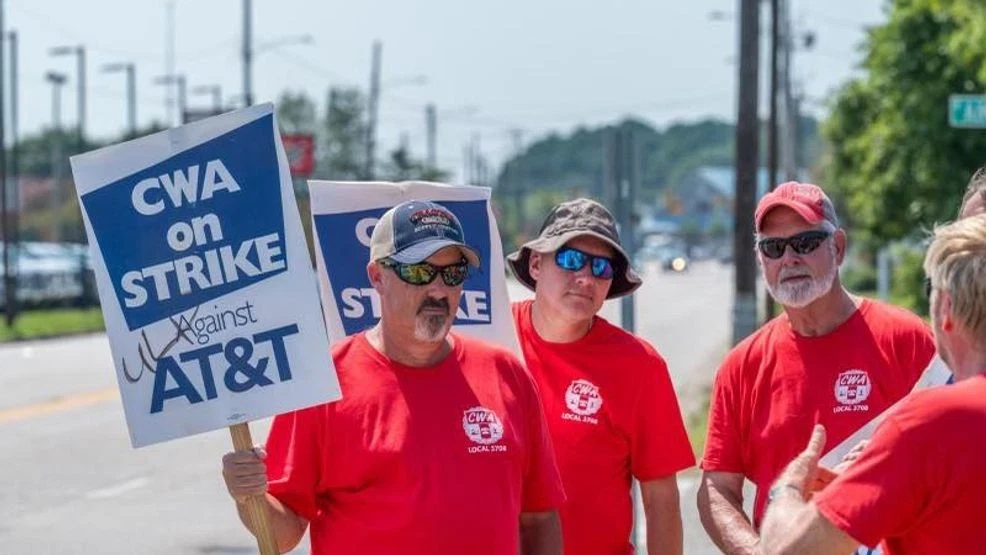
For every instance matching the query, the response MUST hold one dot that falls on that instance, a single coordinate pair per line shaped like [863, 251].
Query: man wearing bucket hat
[438, 445]
[831, 358]
[607, 396]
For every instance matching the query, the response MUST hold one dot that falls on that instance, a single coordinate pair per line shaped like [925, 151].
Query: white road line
[118, 489]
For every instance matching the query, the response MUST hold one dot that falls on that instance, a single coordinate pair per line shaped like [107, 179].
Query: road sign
[967, 110]
[300, 150]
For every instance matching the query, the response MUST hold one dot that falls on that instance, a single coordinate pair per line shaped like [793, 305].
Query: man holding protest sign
[830, 358]
[439, 444]
[608, 399]
[895, 491]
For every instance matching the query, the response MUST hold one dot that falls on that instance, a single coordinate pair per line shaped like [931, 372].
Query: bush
[859, 277]
[907, 283]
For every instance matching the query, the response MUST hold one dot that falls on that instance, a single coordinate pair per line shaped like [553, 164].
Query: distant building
[706, 195]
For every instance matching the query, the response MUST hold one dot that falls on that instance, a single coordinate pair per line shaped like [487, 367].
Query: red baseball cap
[808, 200]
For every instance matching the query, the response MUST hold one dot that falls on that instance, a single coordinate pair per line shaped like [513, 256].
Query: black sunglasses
[927, 288]
[423, 273]
[802, 243]
[573, 260]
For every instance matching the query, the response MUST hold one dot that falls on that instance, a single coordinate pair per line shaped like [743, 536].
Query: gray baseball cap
[416, 229]
[566, 221]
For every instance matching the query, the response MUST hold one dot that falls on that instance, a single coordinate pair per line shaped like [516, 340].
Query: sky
[492, 68]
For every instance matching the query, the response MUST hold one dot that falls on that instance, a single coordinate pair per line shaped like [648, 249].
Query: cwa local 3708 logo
[485, 429]
[583, 400]
[852, 388]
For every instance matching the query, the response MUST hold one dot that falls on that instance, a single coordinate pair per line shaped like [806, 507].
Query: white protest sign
[937, 373]
[343, 216]
[206, 285]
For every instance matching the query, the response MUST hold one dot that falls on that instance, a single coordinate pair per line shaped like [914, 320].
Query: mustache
[434, 303]
[793, 273]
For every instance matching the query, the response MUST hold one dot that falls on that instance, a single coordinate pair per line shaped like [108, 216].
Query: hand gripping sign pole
[256, 506]
[205, 281]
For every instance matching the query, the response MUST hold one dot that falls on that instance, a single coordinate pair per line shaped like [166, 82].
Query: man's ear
[376, 276]
[534, 264]
[841, 240]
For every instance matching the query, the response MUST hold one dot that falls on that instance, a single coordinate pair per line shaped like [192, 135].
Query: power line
[313, 68]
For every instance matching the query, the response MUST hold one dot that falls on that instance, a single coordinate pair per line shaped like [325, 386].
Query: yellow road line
[58, 405]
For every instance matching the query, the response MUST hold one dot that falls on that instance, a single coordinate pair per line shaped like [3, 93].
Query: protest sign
[205, 282]
[204, 278]
[343, 216]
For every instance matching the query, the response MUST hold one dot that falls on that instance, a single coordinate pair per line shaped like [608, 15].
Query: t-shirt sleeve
[659, 445]
[542, 490]
[293, 460]
[724, 439]
[881, 493]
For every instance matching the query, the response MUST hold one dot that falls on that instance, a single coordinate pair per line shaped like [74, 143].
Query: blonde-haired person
[920, 483]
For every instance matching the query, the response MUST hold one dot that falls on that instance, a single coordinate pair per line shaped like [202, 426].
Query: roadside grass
[54, 322]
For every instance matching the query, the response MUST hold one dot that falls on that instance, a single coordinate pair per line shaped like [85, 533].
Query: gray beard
[432, 328]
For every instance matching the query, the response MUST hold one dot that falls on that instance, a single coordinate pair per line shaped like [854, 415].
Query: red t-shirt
[433, 460]
[612, 413]
[776, 384]
[920, 484]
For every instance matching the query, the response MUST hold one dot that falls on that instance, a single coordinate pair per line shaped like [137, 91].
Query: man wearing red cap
[831, 358]
[896, 491]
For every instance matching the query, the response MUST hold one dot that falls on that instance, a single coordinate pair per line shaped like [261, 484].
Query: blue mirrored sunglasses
[573, 260]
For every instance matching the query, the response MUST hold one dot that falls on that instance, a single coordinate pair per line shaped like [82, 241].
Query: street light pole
[7, 285]
[80, 54]
[247, 54]
[217, 96]
[131, 72]
[15, 173]
[178, 80]
[56, 80]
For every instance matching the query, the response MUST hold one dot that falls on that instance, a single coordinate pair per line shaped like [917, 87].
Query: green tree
[402, 167]
[296, 112]
[343, 135]
[894, 161]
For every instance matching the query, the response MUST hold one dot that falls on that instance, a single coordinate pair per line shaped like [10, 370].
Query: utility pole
[792, 136]
[431, 125]
[247, 53]
[15, 173]
[747, 147]
[169, 58]
[8, 286]
[621, 161]
[374, 99]
[772, 147]
[517, 185]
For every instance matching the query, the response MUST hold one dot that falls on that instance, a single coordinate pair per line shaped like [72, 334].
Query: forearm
[664, 533]
[288, 528]
[540, 535]
[727, 525]
[793, 526]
